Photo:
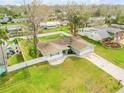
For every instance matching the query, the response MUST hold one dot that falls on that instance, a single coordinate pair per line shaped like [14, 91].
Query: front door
[65, 52]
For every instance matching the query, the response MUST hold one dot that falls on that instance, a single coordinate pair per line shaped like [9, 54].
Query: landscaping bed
[75, 75]
[109, 43]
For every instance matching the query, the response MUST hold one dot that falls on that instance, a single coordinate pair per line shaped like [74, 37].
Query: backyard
[27, 45]
[60, 28]
[116, 56]
[81, 77]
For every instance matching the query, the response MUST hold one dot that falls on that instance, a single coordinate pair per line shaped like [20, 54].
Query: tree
[76, 17]
[97, 13]
[108, 20]
[3, 36]
[36, 13]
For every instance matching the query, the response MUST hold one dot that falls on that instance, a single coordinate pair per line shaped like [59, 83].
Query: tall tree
[36, 13]
[76, 17]
[108, 20]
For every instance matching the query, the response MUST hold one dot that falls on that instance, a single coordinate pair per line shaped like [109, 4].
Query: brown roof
[52, 46]
[78, 44]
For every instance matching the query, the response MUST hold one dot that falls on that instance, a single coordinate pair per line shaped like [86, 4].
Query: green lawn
[17, 58]
[75, 75]
[25, 46]
[60, 28]
[116, 56]
[51, 37]
[12, 24]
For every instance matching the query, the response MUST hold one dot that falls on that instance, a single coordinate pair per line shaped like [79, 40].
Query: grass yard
[17, 58]
[60, 28]
[45, 38]
[116, 56]
[26, 46]
[75, 75]
[12, 24]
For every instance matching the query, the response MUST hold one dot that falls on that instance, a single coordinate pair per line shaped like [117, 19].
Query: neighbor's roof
[53, 46]
[118, 26]
[109, 29]
[102, 33]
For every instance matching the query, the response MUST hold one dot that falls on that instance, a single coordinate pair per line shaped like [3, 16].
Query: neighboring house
[4, 20]
[93, 21]
[12, 49]
[96, 19]
[116, 33]
[19, 20]
[95, 34]
[14, 28]
[50, 24]
[52, 17]
[60, 47]
[118, 26]
[100, 33]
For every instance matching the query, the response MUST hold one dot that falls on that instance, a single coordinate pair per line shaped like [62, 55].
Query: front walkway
[107, 66]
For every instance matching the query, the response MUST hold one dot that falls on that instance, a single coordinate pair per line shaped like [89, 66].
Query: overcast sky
[18, 2]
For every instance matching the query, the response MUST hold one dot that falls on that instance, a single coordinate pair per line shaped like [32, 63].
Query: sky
[53, 2]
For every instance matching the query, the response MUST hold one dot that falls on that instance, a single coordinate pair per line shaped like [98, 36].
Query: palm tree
[3, 36]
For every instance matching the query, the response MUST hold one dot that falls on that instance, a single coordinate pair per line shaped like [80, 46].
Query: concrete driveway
[113, 70]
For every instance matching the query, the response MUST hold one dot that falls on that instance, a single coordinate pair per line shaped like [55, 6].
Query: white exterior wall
[55, 55]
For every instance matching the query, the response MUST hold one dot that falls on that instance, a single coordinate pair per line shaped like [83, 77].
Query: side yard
[116, 56]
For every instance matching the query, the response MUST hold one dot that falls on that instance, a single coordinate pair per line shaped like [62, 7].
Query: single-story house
[116, 33]
[4, 20]
[96, 19]
[118, 26]
[50, 24]
[14, 28]
[100, 33]
[18, 20]
[94, 34]
[93, 21]
[65, 46]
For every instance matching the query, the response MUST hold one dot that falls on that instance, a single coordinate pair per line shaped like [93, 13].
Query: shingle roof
[118, 26]
[98, 30]
[49, 47]
[109, 29]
